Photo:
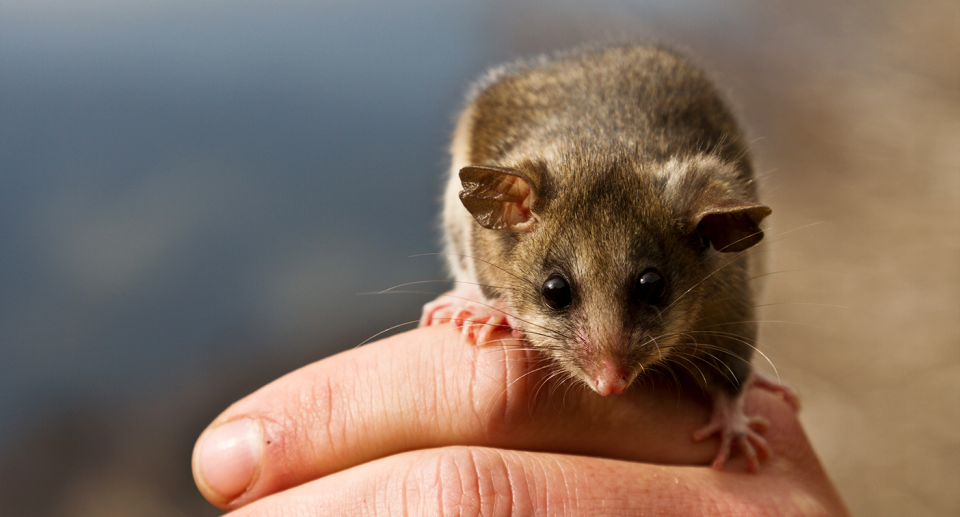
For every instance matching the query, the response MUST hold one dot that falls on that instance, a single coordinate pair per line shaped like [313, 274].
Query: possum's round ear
[497, 198]
[730, 224]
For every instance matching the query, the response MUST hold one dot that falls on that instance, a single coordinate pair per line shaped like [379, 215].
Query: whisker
[779, 236]
[554, 379]
[405, 291]
[487, 262]
[365, 341]
[394, 288]
[571, 383]
[740, 339]
[810, 304]
[704, 279]
[824, 271]
[653, 340]
[718, 360]
[764, 321]
[390, 289]
[702, 376]
[754, 234]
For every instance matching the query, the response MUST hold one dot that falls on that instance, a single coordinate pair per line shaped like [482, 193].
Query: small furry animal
[599, 204]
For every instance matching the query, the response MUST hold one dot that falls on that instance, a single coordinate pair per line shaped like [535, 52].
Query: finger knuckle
[324, 417]
[500, 393]
[464, 481]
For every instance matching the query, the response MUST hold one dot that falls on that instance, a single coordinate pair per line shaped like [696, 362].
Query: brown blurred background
[180, 220]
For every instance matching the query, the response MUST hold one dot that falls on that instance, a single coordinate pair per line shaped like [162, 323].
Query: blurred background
[193, 195]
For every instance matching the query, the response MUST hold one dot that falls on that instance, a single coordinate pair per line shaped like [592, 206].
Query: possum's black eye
[650, 287]
[556, 291]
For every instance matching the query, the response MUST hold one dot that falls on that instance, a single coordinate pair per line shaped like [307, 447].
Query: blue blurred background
[193, 195]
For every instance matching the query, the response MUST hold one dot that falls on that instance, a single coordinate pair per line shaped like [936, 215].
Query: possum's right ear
[497, 198]
[730, 224]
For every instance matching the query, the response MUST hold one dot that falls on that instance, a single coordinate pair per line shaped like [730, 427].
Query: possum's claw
[737, 428]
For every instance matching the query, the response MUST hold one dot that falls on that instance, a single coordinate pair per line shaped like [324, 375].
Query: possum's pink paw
[735, 428]
[439, 311]
[475, 320]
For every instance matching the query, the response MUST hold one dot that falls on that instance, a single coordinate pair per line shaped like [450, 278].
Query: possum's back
[642, 100]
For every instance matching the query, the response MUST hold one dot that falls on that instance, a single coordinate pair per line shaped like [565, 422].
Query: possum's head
[606, 265]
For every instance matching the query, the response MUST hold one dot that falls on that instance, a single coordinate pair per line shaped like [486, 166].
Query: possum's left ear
[730, 224]
[498, 198]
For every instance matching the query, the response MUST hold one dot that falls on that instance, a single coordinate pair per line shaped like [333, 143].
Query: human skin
[424, 424]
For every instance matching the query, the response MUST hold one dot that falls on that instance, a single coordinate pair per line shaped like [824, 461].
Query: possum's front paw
[475, 320]
[734, 427]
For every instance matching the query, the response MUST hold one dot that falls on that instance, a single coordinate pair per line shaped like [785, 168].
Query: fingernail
[229, 456]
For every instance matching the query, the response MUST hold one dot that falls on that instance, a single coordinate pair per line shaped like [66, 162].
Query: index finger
[424, 389]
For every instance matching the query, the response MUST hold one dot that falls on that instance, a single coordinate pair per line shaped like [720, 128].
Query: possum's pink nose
[612, 379]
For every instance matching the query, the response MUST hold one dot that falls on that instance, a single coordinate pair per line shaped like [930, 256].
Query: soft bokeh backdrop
[193, 195]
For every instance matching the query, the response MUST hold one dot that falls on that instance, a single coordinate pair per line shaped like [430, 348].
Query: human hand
[422, 423]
